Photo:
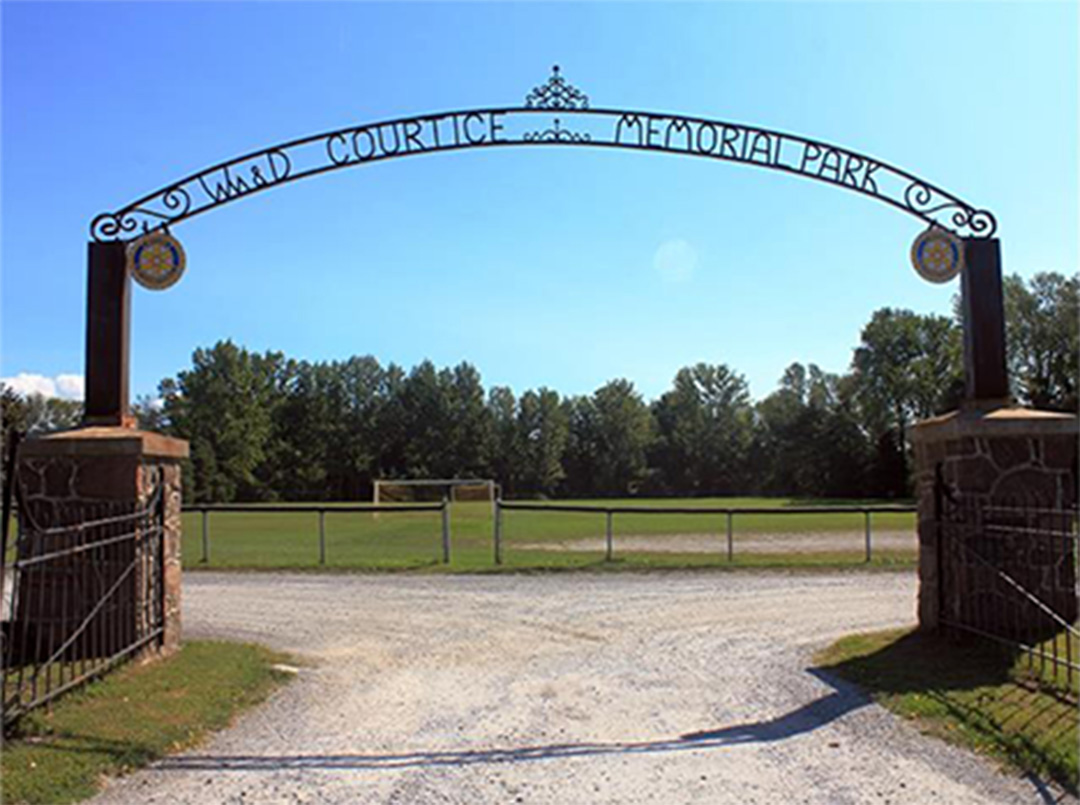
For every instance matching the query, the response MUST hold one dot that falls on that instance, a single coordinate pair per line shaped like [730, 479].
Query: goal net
[423, 490]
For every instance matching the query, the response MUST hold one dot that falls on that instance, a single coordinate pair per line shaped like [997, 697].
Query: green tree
[469, 421]
[224, 406]
[504, 449]
[1043, 339]
[623, 433]
[807, 438]
[543, 433]
[907, 367]
[704, 428]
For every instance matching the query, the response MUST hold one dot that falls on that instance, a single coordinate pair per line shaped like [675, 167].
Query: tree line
[269, 427]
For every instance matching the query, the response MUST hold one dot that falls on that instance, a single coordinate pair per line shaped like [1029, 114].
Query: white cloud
[66, 386]
[70, 387]
[675, 260]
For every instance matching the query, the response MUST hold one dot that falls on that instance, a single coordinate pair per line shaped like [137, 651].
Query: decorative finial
[556, 94]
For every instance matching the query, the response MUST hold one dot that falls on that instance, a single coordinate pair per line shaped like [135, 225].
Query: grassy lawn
[971, 693]
[130, 718]
[531, 540]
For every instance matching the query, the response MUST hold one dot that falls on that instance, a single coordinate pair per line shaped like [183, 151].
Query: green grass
[412, 541]
[131, 717]
[971, 692]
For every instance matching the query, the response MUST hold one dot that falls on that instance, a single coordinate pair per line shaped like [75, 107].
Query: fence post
[498, 532]
[869, 554]
[322, 536]
[730, 537]
[446, 533]
[610, 547]
[205, 536]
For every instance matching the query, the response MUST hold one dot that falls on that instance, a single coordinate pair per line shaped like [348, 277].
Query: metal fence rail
[1009, 575]
[87, 592]
[206, 509]
[728, 512]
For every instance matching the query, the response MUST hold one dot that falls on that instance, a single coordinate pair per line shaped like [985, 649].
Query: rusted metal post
[205, 536]
[610, 536]
[869, 554]
[498, 532]
[108, 336]
[730, 537]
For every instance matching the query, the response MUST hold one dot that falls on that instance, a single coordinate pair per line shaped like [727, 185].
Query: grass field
[550, 540]
[131, 717]
[972, 693]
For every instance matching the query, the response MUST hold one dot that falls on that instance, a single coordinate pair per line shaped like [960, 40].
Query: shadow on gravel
[805, 719]
[969, 692]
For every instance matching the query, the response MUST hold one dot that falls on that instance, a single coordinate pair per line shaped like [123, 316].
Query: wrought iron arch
[554, 114]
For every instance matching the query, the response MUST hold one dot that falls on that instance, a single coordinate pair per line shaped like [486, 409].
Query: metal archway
[553, 114]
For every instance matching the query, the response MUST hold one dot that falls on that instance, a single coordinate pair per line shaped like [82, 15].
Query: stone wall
[1004, 457]
[91, 473]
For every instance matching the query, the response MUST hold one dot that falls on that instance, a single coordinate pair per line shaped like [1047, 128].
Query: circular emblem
[938, 255]
[156, 260]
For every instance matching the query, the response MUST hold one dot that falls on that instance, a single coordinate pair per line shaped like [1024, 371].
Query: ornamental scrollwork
[136, 221]
[556, 134]
[927, 202]
[556, 94]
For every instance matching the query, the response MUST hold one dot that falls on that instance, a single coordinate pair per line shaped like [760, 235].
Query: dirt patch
[773, 543]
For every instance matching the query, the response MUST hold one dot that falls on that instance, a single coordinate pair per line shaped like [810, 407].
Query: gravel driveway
[563, 689]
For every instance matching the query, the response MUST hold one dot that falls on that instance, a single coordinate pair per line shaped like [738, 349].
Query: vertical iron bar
[40, 568]
[445, 514]
[498, 532]
[322, 536]
[730, 537]
[869, 553]
[9, 489]
[159, 561]
[939, 547]
[609, 537]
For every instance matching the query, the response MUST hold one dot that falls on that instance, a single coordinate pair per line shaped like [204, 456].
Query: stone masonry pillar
[1001, 456]
[76, 470]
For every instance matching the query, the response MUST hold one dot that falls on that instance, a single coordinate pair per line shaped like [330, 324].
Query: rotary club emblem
[156, 261]
[938, 255]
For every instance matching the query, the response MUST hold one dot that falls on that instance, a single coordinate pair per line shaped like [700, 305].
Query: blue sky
[557, 267]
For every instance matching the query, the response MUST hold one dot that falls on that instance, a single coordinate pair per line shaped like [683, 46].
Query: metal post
[983, 310]
[730, 537]
[869, 554]
[446, 534]
[610, 546]
[322, 536]
[205, 536]
[108, 335]
[498, 532]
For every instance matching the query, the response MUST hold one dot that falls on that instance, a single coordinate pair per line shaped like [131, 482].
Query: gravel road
[562, 689]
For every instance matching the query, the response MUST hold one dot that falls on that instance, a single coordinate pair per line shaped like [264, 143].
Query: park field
[542, 540]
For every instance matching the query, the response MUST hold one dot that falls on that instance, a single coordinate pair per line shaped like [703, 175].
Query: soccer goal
[416, 490]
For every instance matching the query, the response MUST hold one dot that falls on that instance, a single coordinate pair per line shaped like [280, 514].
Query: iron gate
[83, 590]
[1008, 574]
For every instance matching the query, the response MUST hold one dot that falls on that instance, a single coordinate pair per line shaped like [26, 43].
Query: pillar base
[78, 470]
[988, 454]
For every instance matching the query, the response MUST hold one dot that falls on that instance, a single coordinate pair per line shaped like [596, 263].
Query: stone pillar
[66, 474]
[1004, 456]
